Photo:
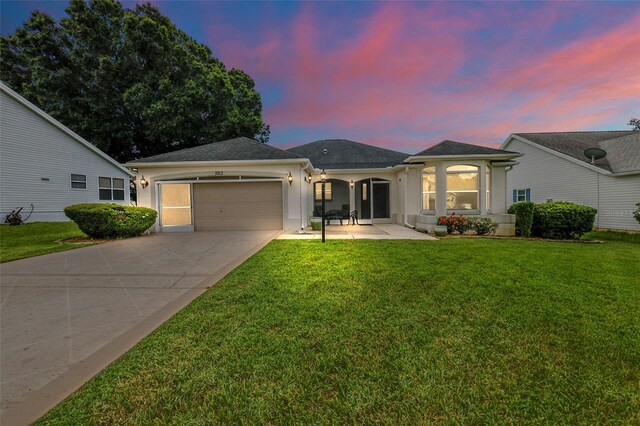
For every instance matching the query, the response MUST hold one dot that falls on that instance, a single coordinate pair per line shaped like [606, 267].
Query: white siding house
[553, 167]
[44, 163]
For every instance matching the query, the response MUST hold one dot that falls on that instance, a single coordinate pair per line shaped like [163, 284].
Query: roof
[55, 123]
[345, 154]
[447, 147]
[229, 150]
[622, 147]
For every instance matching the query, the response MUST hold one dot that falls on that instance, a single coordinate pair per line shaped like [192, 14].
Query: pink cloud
[400, 74]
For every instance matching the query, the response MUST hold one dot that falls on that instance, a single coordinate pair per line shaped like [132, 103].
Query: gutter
[406, 178]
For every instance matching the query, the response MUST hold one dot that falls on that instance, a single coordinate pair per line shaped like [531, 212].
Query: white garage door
[237, 206]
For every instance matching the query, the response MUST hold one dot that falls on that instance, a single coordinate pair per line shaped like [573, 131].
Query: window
[176, 204]
[521, 195]
[110, 188]
[365, 191]
[429, 188]
[462, 187]
[488, 188]
[327, 191]
[78, 181]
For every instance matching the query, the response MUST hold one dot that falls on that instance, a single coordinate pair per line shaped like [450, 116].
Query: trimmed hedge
[562, 220]
[524, 217]
[111, 220]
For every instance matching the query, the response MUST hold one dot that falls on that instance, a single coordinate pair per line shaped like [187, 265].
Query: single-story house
[45, 164]
[554, 167]
[243, 184]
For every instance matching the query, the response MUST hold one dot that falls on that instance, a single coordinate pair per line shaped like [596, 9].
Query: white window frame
[523, 192]
[317, 191]
[112, 189]
[426, 193]
[456, 172]
[72, 181]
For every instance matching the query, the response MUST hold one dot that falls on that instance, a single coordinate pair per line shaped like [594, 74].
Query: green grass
[457, 331]
[32, 239]
[627, 237]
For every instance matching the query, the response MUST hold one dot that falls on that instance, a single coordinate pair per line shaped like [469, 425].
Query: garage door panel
[238, 206]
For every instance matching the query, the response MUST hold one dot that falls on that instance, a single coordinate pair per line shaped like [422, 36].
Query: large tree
[129, 80]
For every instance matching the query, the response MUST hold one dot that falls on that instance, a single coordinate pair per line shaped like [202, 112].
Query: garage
[237, 206]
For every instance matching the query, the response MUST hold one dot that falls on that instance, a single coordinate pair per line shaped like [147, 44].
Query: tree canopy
[128, 80]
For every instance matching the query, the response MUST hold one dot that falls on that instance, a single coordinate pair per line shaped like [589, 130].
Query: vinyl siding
[552, 177]
[32, 149]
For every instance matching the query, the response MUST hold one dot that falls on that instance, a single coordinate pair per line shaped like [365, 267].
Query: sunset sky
[407, 75]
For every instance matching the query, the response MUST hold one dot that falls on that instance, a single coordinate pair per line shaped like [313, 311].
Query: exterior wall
[552, 177]
[295, 211]
[36, 162]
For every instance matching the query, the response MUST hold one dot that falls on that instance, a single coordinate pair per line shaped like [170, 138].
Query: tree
[635, 123]
[129, 80]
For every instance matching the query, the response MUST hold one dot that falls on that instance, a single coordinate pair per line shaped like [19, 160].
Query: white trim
[63, 128]
[559, 154]
[132, 164]
[220, 180]
[418, 158]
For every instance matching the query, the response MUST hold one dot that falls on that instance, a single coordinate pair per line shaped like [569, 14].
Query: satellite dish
[595, 154]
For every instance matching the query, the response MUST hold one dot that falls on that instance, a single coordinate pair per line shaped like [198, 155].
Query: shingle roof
[232, 149]
[622, 147]
[448, 147]
[346, 154]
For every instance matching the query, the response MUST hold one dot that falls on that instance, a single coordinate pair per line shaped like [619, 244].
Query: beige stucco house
[242, 184]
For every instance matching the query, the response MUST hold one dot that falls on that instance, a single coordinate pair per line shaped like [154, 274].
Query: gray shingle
[623, 147]
[233, 149]
[448, 147]
[346, 154]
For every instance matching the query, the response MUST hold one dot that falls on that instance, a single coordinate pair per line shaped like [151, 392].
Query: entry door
[380, 199]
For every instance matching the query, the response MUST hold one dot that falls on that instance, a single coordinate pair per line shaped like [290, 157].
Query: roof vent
[324, 151]
[595, 154]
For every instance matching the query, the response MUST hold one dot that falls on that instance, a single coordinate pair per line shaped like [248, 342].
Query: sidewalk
[360, 232]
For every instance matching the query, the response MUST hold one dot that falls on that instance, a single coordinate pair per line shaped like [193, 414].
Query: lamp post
[323, 179]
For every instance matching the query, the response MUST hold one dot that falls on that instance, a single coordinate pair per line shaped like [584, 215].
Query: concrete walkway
[65, 316]
[360, 232]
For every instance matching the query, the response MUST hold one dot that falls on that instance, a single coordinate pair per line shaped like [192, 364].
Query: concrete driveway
[65, 316]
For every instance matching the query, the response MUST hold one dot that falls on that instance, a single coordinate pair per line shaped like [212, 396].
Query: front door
[372, 200]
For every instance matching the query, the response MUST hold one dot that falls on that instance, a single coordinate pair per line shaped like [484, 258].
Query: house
[242, 184]
[44, 163]
[554, 167]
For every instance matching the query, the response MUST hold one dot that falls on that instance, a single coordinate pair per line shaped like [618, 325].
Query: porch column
[352, 195]
[483, 189]
[441, 190]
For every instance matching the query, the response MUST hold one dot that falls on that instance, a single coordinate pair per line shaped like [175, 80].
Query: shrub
[524, 217]
[316, 225]
[482, 225]
[111, 220]
[562, 220]
[636, 214]
[454, 223]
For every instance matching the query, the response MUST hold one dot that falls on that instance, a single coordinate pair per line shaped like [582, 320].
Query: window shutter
[528, 194]
[515, 195]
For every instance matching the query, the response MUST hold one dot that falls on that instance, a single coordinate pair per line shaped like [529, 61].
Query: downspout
[406, 196]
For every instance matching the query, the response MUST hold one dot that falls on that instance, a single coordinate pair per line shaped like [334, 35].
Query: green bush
[524, 217]
[482, 225]
[562, 220]
[111, 220]
[316, 225]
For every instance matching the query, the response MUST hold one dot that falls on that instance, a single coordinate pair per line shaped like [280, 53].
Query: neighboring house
[243, 184]
[44, 163]
[554, 167]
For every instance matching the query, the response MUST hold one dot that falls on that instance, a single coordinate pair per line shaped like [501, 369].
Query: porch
[368, 199]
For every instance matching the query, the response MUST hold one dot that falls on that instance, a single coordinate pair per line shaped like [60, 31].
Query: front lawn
[32, 239]
[464, 331]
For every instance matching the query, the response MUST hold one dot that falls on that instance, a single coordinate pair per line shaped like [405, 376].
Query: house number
[218, 173]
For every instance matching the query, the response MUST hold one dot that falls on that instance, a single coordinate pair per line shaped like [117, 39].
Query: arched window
[463, 187]
[429, 188]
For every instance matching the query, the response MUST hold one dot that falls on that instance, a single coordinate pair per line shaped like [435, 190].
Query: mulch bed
[82, 240]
